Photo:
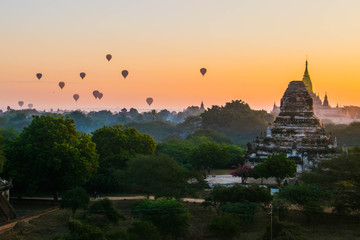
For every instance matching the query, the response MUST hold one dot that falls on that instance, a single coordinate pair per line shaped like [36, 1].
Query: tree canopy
[50, 154]
[159, 175]
[341, 176]
[236, 120]
[118, 144]
[277, 166]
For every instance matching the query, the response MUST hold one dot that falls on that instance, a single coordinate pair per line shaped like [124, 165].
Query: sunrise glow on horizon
[251, 50]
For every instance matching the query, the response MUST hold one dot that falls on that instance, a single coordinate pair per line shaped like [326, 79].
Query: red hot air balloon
[108, 57]
[149, 101]
[82, 75]
[100, 95]
[30, 105]
[203, 71]
[21, 103]
[96, 94]
[61, 85]
[39, 75]
[124, 73]
[76, 97]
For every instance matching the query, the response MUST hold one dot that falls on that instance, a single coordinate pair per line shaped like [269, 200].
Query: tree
[74, 199]
[339, 175]
[243, 171]
[308, 197]
[260, 171]
[206, 135]
[143, 230]
[102, 213]
[279, 167]
[2, 154]
[209, 155]
[118, 144]
[238, 200]
[225, 227]
[236, 120]
[178, 149]
[159, 175]
[50, 154]
[170, 216]
[82, 122]
[159, 130]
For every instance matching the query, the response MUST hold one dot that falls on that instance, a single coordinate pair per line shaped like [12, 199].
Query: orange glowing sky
[251, 48]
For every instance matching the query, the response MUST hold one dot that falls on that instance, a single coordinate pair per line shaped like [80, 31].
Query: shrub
[102, 213]
[81, 231]
[282, 230]
[143, 230]
[225, 226]
[170, 216]
[74, 199]
[244, 210]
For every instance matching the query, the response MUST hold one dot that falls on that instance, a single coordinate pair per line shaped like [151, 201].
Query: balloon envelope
[124, 73]
[30, 105]
[39, 75]
[108, 57]
[21, 103]
[76, 97]
[96, 94]
[100, 95]
[61, 85]
[203, 71]
[82, 75]
[149, 101]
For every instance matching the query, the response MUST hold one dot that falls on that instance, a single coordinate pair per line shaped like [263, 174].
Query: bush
[170, 216]
[244, 210]
[102, 213]
[81, 231]
[282, 230]
[226, 226]
[74, 199]
[143, 230]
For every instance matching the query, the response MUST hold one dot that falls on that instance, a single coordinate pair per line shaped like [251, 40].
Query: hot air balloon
[96, 94]
[149, 101]
[39, 75]
[76, 97]
[82, 75]
[100, 95]
[203, 71]
[21, 103]
[108, 57]
[124, 73]
[61, 85]
[30, 105]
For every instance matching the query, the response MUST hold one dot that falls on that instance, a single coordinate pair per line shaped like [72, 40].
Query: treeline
[51, 155]
[236, 120]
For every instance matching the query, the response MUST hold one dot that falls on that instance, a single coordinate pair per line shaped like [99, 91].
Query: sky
[251, 49]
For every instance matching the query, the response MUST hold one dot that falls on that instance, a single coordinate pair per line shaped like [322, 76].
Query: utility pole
[270, 206]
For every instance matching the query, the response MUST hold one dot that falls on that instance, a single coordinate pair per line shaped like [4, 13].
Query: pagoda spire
[306, 78]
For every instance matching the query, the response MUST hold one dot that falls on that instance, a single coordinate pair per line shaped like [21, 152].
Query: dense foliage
[74, 199]
[309, 198]
[170, 216]
[160, 176]
[277, 166]
[236, 120]
[50, 154]
[341, 176]
[118, 144]
[242, 202]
